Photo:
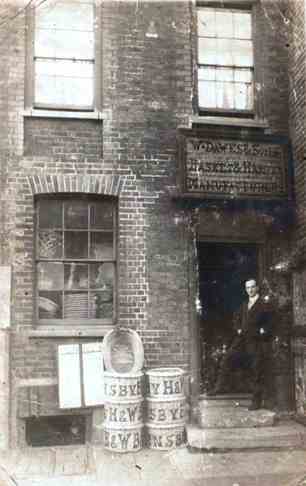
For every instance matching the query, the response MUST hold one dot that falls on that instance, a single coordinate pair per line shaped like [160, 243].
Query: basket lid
[123, 351]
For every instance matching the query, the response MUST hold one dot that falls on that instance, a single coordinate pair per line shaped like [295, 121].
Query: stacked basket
[123, 408]
[166, 408]
[123, 391]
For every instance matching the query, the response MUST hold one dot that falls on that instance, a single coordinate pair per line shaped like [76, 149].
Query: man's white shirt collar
[252, 301]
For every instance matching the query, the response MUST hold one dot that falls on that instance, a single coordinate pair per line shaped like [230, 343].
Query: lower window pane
[64, 91]
[102, 304]
[50, 305]
[50, 276]
[243, 96]
[225, 95]
[76, 305]
[207, 94]
[76, 276]
[102, 275]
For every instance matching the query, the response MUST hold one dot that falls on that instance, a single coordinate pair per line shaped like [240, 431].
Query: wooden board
[80, 375]
[69, 376]
[92, 358]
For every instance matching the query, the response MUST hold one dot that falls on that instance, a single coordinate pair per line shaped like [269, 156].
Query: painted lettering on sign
[233, 168]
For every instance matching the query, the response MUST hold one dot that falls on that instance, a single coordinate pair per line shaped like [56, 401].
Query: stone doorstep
[229, 411]
[282, 436]
[229, 417]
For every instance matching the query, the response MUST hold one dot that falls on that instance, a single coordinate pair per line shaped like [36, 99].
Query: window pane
[45, 44]
[102, 276]
[50, 276]
[102, 304]
[76, 215]
[76, 276]
[101, 245]
[76, 244]
[80, 69]
[225, 52]
[101, 216]
[50, 214]
[76, 305]
[50, 244]
[243, 96]
[206, 22]
[207, 51]
[62, 14]
[242, 53]
[50, 305]
[207, 94]
[45, 89]
[64, 44]
[74, 91]
[224, 22]
[207, 74]
[224, 74]
[243, 75]
[225, 95]
[64, 91]
[242, 25]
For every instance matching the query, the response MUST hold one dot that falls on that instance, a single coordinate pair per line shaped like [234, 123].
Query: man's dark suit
[251, 349]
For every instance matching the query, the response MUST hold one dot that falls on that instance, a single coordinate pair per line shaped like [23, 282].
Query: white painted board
[93, 374]
[69, 376]
[5, 296]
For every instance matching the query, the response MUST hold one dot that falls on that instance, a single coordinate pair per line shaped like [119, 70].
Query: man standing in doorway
[252, 345]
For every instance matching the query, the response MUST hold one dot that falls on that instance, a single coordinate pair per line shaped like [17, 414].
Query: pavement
[90, 465]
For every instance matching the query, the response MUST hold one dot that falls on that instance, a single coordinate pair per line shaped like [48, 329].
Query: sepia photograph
[153, 243]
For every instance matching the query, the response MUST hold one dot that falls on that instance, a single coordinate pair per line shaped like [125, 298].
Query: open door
[223, 270]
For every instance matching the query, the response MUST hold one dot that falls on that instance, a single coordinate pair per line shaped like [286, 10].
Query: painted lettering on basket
[116, 390]
[166, 387]
[122, 440]
[128, 414]
[166, 441]
[166, 414]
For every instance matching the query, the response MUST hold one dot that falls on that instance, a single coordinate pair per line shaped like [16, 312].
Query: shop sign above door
[233, 168]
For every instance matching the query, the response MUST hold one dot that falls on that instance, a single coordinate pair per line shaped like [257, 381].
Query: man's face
[251, 288]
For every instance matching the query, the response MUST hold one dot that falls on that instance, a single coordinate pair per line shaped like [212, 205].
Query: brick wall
[64, 140]
[297, 99]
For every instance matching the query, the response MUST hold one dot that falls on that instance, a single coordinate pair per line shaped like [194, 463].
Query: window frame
[30, 67]
[81, 324]
[256, 113]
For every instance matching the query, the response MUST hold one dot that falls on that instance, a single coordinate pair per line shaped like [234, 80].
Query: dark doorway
[223, 269]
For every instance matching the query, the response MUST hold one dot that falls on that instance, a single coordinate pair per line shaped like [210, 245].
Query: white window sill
[233, 122]
[57, 331]
[76, 115]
